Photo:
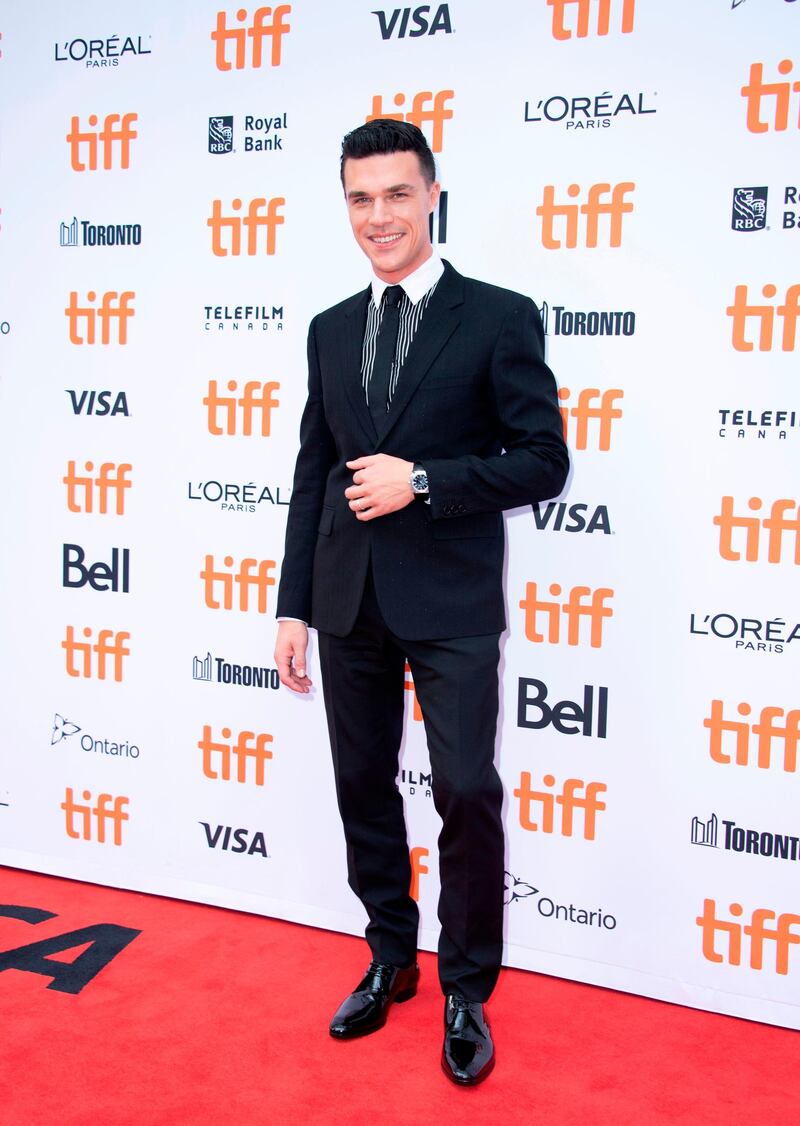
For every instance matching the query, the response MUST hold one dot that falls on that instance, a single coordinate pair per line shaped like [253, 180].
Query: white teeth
[385, 238]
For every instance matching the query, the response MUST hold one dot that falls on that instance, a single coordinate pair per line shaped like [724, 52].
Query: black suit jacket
[476, 405]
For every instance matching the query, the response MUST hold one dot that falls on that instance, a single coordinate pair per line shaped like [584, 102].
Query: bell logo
[778, 522]
[570, 799]
[582, 602]
[226, 411]
[785, 934]
[729, 739]
[248, 746]
[757, 90]
[261, 27]
[741, 311]
[253, 221]
[587, 411]
[416, 856]
[426, 107]
[82, 819]
[83, 490]
[261, 580]
[582, 10]
[409, 687]
[596, 205]
[113, 307]
[109, 646]
[117, 132]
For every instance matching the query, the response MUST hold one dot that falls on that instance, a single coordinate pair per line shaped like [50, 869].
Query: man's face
[389, 203]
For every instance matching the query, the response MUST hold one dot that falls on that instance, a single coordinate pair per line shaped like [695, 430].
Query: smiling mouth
[385, 240]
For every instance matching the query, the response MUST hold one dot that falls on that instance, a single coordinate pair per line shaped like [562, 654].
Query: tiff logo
[705, 832]
[261, 27]
[109, 647]
[778, 522]
[109, 485]
[596, 205]
[587, 411]
[419, 114]
[741, 311]
[409, 687]
[722, 732]
[757, 90]
[106, 808]
[570, 800]
[230, 415]
[255, 220]
[784, 935]
[416, 857]
[113, 307]
[116, 134]
[582, 603]
[248, 747]
[582, 11]
[244, 578]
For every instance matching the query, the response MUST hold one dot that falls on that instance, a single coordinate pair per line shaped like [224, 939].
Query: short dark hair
[384, 136]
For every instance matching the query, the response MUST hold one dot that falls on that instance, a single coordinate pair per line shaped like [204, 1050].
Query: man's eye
[399, 195]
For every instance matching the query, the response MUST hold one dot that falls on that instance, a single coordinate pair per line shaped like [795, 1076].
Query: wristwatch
[419, 480]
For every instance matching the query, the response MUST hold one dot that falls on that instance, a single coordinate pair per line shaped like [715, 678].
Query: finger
[360, 462]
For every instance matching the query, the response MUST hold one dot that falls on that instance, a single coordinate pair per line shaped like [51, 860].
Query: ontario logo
[64, 729]
[517, 890]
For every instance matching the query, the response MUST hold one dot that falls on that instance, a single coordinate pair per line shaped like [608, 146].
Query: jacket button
[461, 508]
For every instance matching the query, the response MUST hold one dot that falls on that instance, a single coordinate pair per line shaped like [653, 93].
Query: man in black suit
[430, 410]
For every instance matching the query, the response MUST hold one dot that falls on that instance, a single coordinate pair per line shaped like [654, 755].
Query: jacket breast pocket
[479, 525]
[326, 520]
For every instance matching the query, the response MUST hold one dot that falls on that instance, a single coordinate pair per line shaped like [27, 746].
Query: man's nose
[381, 212]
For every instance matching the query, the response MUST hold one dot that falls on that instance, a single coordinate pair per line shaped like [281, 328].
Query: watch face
[419, 481]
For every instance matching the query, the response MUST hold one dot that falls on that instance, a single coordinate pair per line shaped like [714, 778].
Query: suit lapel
[439, 322]
[355, 319]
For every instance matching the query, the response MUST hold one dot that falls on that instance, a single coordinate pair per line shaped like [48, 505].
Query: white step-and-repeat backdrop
[172, 218]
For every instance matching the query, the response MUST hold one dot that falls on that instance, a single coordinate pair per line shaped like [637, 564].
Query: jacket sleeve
[314, 461]
[534, 463]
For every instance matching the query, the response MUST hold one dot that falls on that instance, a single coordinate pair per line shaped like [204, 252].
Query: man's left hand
[381, 484]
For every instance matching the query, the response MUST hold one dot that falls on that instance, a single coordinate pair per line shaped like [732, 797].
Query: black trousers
[456, 683]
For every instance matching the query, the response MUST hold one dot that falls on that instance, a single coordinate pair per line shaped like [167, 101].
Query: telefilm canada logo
[767, 843]
[744, 424]
[578, 113]
[517, 890]
[415, 783]
[65, 729]
[219, 670]
[261, 133]
[85, 233]
[243, 318]
[96, 54]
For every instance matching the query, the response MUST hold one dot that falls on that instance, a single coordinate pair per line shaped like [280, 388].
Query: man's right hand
[290, 655]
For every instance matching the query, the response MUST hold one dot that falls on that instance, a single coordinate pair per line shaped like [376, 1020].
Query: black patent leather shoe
[366, 1010]
[468, 1053]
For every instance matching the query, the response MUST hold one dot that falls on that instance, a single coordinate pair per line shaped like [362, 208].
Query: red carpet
[211, 1016]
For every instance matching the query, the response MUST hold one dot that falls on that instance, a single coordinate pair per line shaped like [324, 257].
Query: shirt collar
[416, 285]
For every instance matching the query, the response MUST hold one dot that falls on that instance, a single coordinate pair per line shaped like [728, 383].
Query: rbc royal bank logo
[220, 135]
[749, 211]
